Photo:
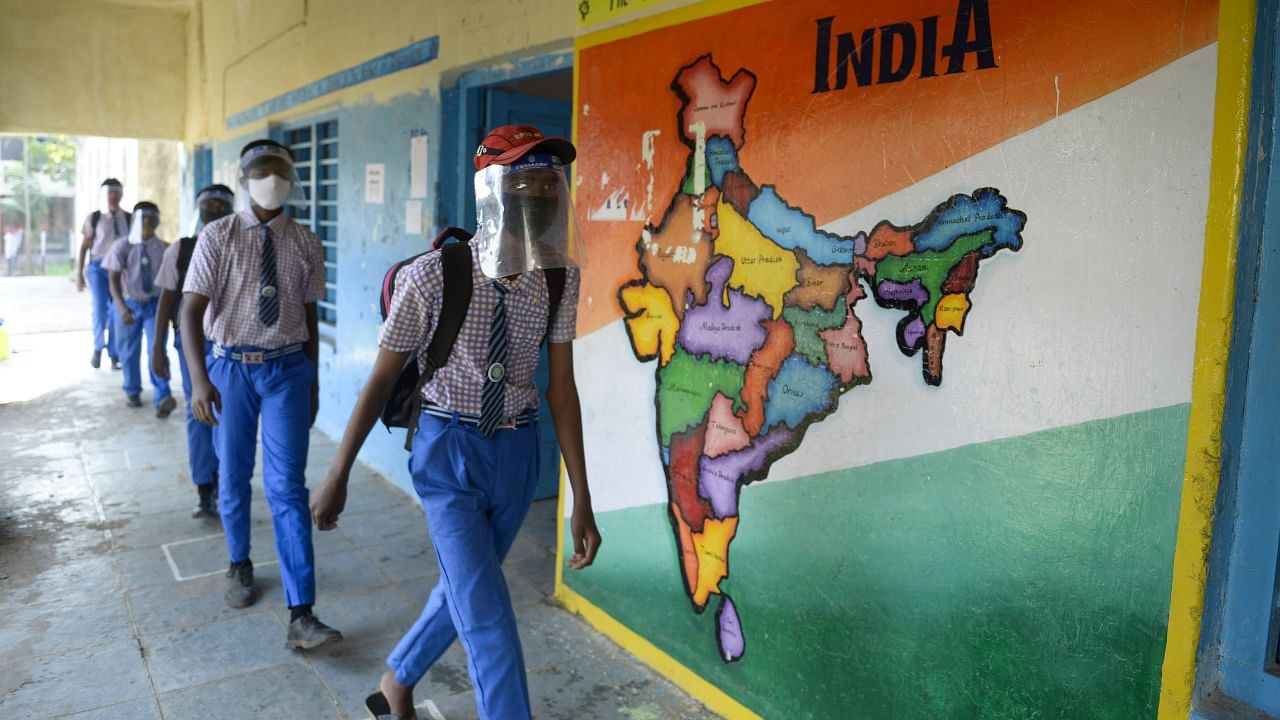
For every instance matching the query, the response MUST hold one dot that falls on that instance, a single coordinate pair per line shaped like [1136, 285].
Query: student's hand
[315, 402]
[204, 398]
[126, 315]
[160, 365]
[80, 281]
[586, 537]
[328, 503]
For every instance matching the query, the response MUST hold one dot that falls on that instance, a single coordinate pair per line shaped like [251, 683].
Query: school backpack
[186, 248]
[403, 406]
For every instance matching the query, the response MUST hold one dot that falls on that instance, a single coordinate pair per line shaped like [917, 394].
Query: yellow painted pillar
[1213, 335]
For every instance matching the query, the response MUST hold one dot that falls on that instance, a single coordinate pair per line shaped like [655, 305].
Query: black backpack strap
[555, 291]
[94, 218]
[186, 247]
[455, 264]
[455, 267]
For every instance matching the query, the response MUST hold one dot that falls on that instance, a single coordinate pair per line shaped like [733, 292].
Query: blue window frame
[315, 152]
[203, 171]
[1239, 663]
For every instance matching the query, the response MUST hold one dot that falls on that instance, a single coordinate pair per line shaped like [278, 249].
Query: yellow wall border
[1213, 334]
[643, 25]
[713, 697]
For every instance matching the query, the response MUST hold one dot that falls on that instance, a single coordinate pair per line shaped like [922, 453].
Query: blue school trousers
[129, 344]
[104, 311]
[475, 492]
[200, 452]
[279, 391]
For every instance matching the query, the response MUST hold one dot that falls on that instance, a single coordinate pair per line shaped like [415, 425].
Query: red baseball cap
[504, 145]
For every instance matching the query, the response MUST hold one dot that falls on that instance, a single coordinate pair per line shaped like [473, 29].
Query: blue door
[552, 117]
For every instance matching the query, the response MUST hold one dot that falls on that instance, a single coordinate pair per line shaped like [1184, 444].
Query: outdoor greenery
[49, 156]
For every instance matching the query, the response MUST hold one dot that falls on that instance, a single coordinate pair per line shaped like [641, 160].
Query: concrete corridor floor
[111, 593]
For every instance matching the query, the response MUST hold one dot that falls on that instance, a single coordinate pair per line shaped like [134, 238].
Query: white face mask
[270, 192]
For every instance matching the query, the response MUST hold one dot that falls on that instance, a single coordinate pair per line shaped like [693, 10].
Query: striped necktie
[144, 263]
[268, 299]
[115, 225]
[491, 400]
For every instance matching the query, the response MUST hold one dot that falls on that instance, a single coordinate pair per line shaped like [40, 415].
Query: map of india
[751, 314]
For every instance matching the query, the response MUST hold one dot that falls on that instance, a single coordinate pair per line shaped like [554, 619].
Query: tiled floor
[111, 594]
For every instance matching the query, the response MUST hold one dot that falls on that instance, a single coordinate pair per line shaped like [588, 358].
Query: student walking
[251, 289]
[101, 230]
[212, 203]
[474, 457]
[131, 264]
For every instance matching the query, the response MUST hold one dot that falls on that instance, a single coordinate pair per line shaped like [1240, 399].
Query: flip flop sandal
[379, 708]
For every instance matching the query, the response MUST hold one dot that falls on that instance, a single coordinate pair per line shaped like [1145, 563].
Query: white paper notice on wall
[375, 183]
[413, 217]
[418, 166]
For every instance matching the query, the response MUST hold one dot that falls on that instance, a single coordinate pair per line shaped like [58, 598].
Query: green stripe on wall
[1021, 578]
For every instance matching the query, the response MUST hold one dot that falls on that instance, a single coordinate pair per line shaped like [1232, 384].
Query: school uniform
[137, 265]
[258, 278]
[475, 488]
[111, 226]
[201, 456]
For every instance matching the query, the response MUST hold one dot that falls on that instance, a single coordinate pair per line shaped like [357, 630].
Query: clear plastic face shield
[143, 225]
[211, 204]
[268, 176]
[110, 196]
[525, 219]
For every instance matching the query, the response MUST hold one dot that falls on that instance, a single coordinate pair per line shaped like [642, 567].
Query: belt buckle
[251, 358]
[507, 424]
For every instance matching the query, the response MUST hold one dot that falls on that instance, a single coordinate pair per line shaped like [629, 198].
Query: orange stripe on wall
[832, 153]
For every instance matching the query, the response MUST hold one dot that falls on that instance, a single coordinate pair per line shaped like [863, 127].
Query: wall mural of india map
[752, 316]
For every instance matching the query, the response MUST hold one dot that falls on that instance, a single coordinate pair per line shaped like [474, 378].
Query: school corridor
[111, 594]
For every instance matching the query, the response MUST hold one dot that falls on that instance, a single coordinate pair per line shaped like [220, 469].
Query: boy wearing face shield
[251, 290]
[212, 203]
[475, 450]
[132, 264]
[101, 230]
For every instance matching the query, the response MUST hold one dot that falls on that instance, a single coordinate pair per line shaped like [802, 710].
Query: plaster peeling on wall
[586, 110]
[604, 180]
[647, 145]
[614, 208]
[699, 130]
[1057, 96]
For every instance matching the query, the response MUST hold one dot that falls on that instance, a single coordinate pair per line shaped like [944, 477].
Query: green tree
[49, 156]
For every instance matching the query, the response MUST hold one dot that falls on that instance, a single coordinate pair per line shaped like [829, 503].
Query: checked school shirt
[224, 268]
[458, 386]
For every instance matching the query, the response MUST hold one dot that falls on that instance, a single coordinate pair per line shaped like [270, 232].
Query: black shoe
[134, 401]
[165, 407]
[96, 360]
[380, 709]
[241, 592]
[115, 363]
[308, 632]
[208, 506]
